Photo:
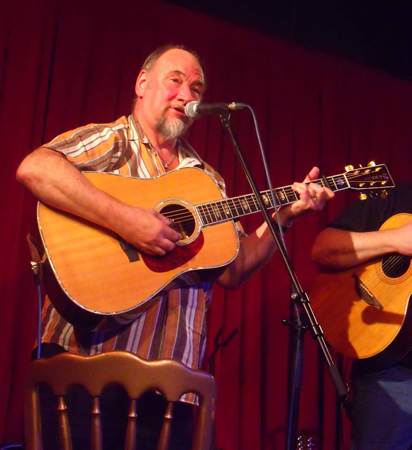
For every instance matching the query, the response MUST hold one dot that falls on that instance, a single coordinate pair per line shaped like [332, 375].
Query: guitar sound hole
[395, 266]
[183, 220]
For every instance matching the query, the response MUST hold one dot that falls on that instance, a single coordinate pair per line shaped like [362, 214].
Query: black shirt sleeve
[370, 214]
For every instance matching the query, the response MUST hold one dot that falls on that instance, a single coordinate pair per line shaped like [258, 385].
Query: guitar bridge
[130, 251]
[366, 294]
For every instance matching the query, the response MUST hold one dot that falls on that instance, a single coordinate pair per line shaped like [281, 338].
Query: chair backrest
[137, 377]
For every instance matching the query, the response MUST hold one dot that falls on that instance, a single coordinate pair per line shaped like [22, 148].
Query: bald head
[156, 54]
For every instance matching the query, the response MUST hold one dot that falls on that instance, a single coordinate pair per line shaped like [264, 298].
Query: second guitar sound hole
[395, 265]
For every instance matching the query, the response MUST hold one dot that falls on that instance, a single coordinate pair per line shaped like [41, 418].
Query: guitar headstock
[372, 178]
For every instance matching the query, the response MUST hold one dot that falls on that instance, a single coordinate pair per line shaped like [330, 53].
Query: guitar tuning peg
[384, 194]
[371, 164]
[363, 196]
[349, 168]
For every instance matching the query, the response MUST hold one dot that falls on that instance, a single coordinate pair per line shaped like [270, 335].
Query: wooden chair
[136, 375]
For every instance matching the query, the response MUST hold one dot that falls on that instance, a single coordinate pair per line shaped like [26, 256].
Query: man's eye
[197, 91]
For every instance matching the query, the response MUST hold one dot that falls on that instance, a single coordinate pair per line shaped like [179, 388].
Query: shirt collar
[188, 154]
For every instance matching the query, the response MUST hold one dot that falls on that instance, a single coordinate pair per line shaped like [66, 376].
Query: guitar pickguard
[175, 259]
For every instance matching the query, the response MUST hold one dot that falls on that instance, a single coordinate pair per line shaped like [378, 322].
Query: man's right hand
[148, 231]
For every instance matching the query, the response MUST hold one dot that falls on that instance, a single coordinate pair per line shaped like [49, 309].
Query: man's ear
[141, 83]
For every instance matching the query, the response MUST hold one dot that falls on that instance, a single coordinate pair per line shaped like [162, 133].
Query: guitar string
[391, 265]
[237, 202]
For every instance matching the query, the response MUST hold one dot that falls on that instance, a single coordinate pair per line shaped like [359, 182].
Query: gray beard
[171, 129]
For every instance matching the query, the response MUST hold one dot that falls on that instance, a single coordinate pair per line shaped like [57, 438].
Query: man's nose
[186, 94]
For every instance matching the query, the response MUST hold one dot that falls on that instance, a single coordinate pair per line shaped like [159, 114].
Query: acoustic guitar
[91, 270]
[365, 312]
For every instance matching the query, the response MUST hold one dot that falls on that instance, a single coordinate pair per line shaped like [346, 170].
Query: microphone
[196, 109]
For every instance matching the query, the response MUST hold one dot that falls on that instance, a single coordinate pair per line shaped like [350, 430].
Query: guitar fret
[242, 205]
[200, 209]
[239, 207]
[282, 196]
[342, 182]
[285, 195]
[212, 213]
[245, 205]
[337, 184]
[224, 212]
[207, 218]
[233, 209]
[217, 211]
[209, 210]
[289, 197]
[334, 183]
[266, 199]
[227, 210]
[329, 183]
[254, 202]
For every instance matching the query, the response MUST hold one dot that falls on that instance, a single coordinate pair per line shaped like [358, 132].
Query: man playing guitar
[366, 315]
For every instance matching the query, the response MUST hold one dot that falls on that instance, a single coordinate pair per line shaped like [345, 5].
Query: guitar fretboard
[231, 209]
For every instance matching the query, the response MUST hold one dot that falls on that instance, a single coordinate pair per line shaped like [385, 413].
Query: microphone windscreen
[190, 109]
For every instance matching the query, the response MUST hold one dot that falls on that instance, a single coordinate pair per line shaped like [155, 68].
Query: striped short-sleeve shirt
[173, 326]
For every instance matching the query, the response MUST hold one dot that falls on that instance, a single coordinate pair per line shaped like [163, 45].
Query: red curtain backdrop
[64, 64]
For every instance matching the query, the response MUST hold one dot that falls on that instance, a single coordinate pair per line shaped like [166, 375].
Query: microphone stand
[299, 297]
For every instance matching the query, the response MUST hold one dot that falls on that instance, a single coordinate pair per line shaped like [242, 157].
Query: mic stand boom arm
[298, 295]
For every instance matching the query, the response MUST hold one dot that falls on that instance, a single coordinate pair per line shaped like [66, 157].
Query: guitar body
[96, 275]
[91, 275]
[365, 312]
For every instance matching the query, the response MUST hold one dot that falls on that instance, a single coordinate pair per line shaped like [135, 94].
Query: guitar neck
[371, 178]
[233, 208]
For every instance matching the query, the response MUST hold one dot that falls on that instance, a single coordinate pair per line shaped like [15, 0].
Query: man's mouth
[179, 112]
